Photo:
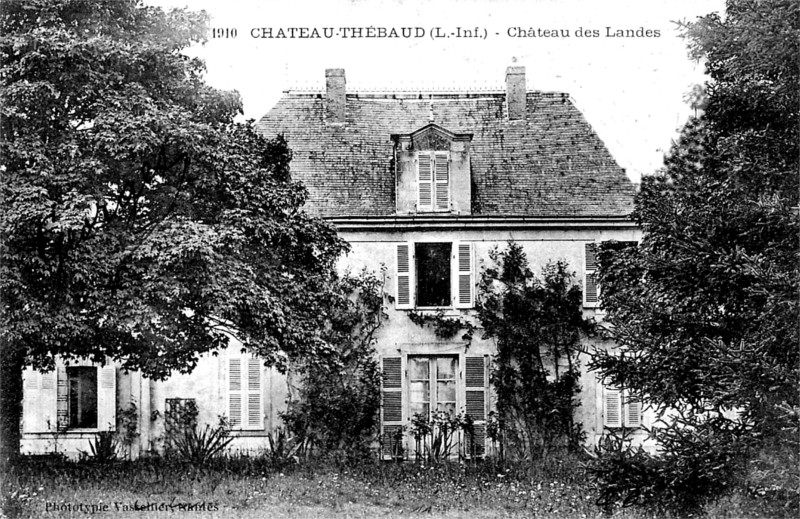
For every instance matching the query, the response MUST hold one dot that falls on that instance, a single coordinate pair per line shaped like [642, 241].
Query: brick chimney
[516, 95]
[334, 95]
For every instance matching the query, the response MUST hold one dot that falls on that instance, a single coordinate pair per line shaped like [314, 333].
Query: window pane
[419, 392]
[82, 383]
[446, 391]
[433, 274]
[422, 409]
[418, 368]
[446, 368]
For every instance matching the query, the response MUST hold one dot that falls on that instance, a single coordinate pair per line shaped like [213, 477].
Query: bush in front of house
[333, 410]
[537, 324]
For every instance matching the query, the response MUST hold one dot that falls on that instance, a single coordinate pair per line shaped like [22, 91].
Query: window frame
[434, 159]
[69, 379]
[248, 364]
[624, 403]
[417, 276]
[461, 275]
[433, 380]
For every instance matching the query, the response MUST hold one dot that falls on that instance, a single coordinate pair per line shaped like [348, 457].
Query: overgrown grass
[255, 487]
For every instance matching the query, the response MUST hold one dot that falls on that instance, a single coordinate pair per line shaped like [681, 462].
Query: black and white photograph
[400, 258]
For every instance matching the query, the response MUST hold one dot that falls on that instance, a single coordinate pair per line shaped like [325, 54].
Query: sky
[631, 89]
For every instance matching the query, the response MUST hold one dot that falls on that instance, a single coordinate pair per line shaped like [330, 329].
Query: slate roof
[550, 164]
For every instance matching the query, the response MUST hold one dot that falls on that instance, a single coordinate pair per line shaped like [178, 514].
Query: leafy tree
[141, 224]
[537, 324]
[706, 307]
[338, 394]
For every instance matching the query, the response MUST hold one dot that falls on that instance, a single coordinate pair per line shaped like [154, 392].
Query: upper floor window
[433, 181]
[434, 275]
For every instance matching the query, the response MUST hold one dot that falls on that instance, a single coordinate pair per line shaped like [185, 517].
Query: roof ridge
[415, 93]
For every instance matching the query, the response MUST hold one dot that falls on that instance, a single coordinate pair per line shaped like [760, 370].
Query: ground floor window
[432, 385]
[82, 387]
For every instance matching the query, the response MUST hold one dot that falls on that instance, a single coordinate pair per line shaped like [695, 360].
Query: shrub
[199, 446]
[537, 324]
[104, 447]
[338, 393]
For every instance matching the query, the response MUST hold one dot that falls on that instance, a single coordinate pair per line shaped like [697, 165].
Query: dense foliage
[706, 307]
[334, 409]
[537, 324]
[140, 222]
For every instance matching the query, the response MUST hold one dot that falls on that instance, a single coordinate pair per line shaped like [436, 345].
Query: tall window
[82, 384]
[433, 274]
[432, 385]
[245, 392]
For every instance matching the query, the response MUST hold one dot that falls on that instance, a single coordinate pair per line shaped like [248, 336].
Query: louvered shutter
[255, 413]
[107, 398]
[392, 407]
[591, 290]
[633, 412]
[442, 182]
[62, 398]
[404, 274]
[32, 421]
[425, 181]
[476, 400]
[464, 289]
[612, 408]
[235, 397]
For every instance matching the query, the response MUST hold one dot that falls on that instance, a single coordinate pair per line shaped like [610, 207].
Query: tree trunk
[11, 365]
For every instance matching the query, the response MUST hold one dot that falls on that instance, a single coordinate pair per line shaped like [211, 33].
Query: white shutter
[476, 400]
[107, 398]
[404, 295]
[48, 398]
[442, 182]
[591, 291]
[612, 412]
[235, 392]
[392, 407]
[255, 412]
[31, 417]
[425, 181]
[633, 412]
[464, 289]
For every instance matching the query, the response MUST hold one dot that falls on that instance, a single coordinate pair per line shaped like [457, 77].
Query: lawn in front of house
[252, 487]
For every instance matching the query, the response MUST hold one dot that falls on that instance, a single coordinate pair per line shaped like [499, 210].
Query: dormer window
[433, 181]
[432, 168]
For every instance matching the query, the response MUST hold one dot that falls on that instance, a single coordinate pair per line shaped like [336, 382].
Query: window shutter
[476, 400]
[612, 414]
[633, 412]
[425, 181]
[255, 413]
[107, 398]
[405, 283]
[464, 284]
[442, 182]
[48, 398]
[62, 398]
[392, 407]
[31, 415]
[591, 291]
[235, 392]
